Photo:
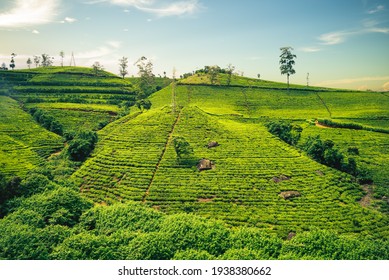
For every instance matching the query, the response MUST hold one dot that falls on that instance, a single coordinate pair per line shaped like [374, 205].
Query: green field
[135, 160]
[24, 144]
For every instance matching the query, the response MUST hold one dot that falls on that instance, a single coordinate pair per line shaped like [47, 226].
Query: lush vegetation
[126, 183]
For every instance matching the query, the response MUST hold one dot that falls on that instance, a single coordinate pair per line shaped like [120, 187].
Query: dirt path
[320, 125]
[366, 200]
[168, 140]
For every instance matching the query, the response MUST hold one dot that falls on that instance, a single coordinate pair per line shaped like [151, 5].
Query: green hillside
[256, 179]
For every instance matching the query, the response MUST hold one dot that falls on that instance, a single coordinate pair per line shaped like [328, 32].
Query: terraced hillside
[256, 178]
[24, 144]
[71, 94]
[254, 172]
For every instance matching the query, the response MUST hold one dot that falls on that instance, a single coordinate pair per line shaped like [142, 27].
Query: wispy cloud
[310, 49]
[35, 31]
[69, 20]
[353, 80]
[157, 7]
[334, 38]
[26, 13]
[104, 50]
[377, 9]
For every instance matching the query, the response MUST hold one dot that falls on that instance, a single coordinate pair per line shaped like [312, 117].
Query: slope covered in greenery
[259, 198]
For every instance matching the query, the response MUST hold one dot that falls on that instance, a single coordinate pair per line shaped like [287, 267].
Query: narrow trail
[325, 105]
[161, 157]
[246, 102]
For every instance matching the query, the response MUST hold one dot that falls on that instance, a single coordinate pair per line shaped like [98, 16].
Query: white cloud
[29, 13]
[107, 49]
[333, 38]
[35, 31]
[158, 8]
[310, 49]
[70, 20]
[377, 9]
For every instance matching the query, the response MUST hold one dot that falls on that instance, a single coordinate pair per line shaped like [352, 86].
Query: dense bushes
[321, 151]
[47, 121]
[285, 131]
[184, 151]
[325, 153]
[60, 224]
[81, 144]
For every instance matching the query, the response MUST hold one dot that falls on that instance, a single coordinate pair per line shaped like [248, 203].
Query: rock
[290, 235]
[205, 164]
[290, 194]
[280, 178]
[212, 144]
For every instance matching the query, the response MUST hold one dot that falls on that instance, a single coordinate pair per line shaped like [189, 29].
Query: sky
[340, 43]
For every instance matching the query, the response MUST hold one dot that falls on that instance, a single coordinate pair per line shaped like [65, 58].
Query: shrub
[285, 131]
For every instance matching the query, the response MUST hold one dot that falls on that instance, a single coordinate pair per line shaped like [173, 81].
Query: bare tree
[97, 67]
[47, 60]
[123, 65]
[230, 70]
[29, 62]
[62, 55]
[37, 60]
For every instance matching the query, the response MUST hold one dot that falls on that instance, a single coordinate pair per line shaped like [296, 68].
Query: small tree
[230, 70]
[287, 62]
[212, 72]
[37, 60]
[12, 64]
[146, 83]
[62, 55]
[97, 67]
[29, 62]
[123, 65]
[47, 60]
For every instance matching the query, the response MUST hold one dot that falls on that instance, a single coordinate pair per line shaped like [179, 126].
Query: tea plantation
[138, 197]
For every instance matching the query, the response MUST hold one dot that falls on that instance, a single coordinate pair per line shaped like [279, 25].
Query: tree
[230, 70]
[62, 55]
[97, 67]
[4, 66]
[37, 60]
[212, 72]
[146, 83]
[12, 64]
[287, 62]
[123, 65]
[29, 62]
[47, 60]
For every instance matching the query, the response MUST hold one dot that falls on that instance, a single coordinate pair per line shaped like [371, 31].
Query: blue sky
[340, 43]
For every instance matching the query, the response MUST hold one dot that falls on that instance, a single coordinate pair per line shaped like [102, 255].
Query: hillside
[256, 179]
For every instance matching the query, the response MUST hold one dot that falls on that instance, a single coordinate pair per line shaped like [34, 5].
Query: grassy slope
[71, 94]
[133, 163]
[135, 159]
[24, 143]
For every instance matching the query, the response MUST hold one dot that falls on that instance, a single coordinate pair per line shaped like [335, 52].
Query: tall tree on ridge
[287, 62]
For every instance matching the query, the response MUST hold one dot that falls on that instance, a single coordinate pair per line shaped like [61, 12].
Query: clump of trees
[321, 151]
[81, 144]
[286, 131]
[184, 151]
[47, 121]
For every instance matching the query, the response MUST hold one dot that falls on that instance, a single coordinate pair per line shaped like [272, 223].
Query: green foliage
[184, 151]
[285, 131]
[61, 206]
[192, 254]
[47, 121]
[81, 145]
[130, 217]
